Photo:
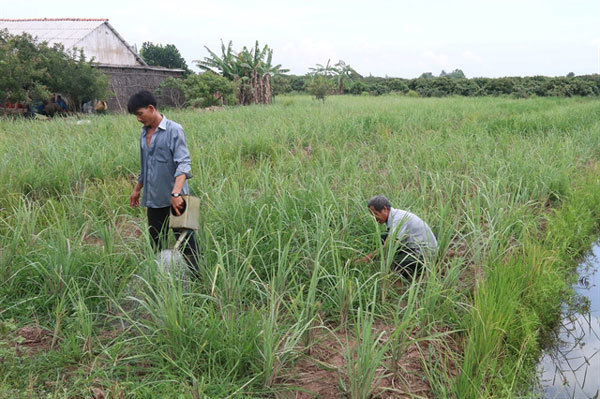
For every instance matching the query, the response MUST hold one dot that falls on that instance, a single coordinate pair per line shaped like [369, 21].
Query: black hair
[379, 202]
[141, 99]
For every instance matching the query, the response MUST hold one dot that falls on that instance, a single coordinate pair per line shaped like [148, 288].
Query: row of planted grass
[519, 302]
[284, 189]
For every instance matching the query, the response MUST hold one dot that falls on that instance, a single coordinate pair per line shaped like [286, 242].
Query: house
[127, 71]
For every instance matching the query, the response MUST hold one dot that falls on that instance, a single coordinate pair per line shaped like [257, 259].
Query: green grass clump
[508, 186]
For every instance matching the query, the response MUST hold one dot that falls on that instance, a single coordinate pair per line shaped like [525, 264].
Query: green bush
[284, 84]
[173, 88]
[397, 85]
[320, 87]
[357, 88]
[209, 89]
[299, 83]
[378, 89]
[465, 87]
[202, 90]
[281, 84]
[32, 70]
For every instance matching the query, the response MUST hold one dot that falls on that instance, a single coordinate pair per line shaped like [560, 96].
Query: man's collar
[389, 219]
[163, 123]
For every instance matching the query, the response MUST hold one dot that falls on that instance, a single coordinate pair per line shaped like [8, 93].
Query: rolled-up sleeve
[181, 154]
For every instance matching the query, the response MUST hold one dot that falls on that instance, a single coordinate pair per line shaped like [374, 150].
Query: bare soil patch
[32, 340]
[213, 108]
[128, 227]
[322, 373]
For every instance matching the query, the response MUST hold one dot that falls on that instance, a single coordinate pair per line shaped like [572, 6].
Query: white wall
[106, 48]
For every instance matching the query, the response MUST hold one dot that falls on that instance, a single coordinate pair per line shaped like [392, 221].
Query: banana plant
[251, 68]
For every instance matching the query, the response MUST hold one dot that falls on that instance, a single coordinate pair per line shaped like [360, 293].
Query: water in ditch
[570, 369]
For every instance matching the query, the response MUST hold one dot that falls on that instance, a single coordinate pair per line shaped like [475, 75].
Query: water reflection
[571, 368]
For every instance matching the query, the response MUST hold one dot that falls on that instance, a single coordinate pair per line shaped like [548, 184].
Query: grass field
[508, 186]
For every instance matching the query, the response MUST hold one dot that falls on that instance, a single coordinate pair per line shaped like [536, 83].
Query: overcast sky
[378, 37]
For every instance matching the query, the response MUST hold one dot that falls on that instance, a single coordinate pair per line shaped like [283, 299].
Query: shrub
[203, 90]
[281, 85]
[397, 85]
[209, 89]
[378, 89]
[32, 70]
[500, 86]
[320, 87]
[299, 83]
[357, 88]
[466, 87]
[173, 89]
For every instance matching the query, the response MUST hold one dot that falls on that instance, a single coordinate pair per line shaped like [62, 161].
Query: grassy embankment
[508, 186]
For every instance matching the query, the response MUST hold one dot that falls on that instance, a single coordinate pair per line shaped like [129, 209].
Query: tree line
[255, 80]
[442, 86]
[243, 68]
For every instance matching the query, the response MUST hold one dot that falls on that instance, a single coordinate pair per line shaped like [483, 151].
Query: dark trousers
[407, 261]
[158, 225]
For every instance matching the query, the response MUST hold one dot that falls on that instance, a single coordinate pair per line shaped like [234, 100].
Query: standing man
[413, 235]
[165, 168]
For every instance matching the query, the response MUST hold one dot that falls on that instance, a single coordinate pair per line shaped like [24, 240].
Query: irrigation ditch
[519, 305]
[569, 361]
[570, 364]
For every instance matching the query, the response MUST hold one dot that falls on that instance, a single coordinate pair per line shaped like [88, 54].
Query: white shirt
[410, 229]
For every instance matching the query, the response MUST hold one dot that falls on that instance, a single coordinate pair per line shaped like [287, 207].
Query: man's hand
[177, 205]
[134, 198]
[177, 202]
[365, 259]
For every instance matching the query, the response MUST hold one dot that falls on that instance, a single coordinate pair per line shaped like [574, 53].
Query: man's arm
[181, 156]
[370, 256]
[177, 202]
[134, 198]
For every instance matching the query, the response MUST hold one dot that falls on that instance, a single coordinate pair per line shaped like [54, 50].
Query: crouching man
[413, 236]
[165, 168]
